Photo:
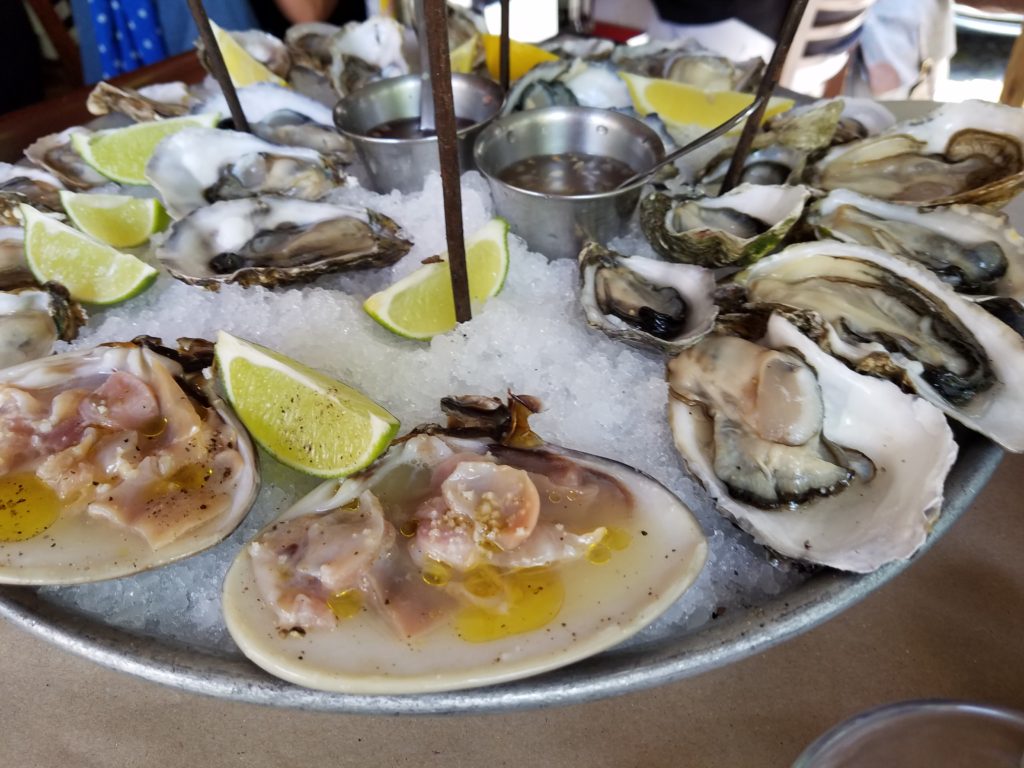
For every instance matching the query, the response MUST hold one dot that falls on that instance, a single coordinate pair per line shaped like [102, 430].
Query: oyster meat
[888, 316]
[569, 82]
[114, 460]
[55, 154]
[970, 248]
[24, 184]
[644, 302]
[464, 556]
[733, 229]
[961, 153]
[686, 61]
[817, 462]
[282, 116]
[274, 240]
[33, 318]
[140, 107]
[198, 166]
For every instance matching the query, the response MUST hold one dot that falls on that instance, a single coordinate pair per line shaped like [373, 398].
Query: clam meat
[114, 460]
[817, 462]
[271, 240]
[466, 555]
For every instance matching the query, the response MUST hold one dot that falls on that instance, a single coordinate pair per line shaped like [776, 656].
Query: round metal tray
[642, 662]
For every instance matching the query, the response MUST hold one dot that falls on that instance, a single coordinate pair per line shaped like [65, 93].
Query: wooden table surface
[951, 626]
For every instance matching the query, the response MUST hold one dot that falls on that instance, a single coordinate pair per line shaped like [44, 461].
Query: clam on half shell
[427, 572]
[114, 461]
[817, 462]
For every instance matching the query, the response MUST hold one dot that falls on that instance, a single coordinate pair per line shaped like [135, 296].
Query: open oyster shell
[465, 556]
[33, 318]
[733, 229]
[961, 153]
[126, 457]
[972, 249]
[283, 116]
[644, 302]
[105, 98]
[272, 240]
[198, 166]
[25, 184]
[890, 317]
[55, 154]
[817, 462]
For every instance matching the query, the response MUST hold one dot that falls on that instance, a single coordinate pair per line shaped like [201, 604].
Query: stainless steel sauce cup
[402, 164]
[558, 225]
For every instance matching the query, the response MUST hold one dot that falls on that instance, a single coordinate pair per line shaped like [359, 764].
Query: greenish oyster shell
[645, 302]
[734, 229]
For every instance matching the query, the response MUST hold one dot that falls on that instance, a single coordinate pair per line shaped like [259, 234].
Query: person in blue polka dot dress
[117, 36]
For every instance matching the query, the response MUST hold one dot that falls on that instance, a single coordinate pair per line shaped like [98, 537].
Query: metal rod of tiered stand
[769, 81]
[503, 47]
[216, 63]
[435, 13]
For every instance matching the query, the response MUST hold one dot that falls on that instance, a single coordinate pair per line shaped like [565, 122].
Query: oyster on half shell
[972, 249]
[275, 240]
[33, 318]
[466, 555]
[645, 302]
[890, 317]
[126, 458]
[733, 229]
[197, 166]
[971, 152]
[817, 462]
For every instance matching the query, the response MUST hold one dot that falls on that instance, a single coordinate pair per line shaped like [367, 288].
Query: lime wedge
[682, 104]
[121, 154]
[303, 418]
[117, 220]
[92, 272]
[420, 305]
[242, 67]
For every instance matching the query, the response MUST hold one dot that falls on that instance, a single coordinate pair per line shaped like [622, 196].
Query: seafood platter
[712, 431]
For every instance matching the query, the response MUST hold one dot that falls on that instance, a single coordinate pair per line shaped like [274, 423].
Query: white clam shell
[603, 604]
[82, 547]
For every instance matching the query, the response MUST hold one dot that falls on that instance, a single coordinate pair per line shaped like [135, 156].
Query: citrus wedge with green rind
[92, 272]
[681, 104]
[304, 419]
[117, 220]
[242, 68]
[421, 305]
[121, 154]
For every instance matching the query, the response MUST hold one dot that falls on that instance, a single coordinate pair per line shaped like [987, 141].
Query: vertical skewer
[427, 121]
[447, 146]
[503, 47]
[768, 82]
[216, 62]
